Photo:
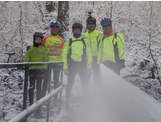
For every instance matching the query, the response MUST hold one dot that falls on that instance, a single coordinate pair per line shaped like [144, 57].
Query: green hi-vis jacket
[106, 47]
[37, 54]
[77, 50]
[92, 38]
[55, 45]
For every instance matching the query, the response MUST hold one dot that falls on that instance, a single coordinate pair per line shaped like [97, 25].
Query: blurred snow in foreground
[116, 101]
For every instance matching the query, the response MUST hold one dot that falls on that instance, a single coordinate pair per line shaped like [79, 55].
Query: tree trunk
[63, 14]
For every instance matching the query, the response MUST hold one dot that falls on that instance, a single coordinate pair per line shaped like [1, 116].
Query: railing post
[61, 78]
[29, 110]
[49, 81]
[25, 89]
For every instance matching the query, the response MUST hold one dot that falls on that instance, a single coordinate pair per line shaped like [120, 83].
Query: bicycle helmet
[106, 22]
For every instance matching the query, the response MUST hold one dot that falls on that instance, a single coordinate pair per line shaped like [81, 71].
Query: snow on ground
[11, 93]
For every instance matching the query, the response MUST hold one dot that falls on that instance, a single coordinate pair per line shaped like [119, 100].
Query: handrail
[20, 65]
[37, 104]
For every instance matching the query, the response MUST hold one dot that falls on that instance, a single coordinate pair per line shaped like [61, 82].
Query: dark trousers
[74, 69]
[57, 73]
[54, 75]
[38, 79]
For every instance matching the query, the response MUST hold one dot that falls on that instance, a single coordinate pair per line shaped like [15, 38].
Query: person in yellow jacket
[92, 36]
[37, 73]
[55, 44]
[111, 47]
[77, 59]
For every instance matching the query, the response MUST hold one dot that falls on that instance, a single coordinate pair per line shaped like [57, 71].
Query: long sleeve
[46, 57]
[99, 50]
[121, 46]
[89, 55]
[27, 57]
[65, 54]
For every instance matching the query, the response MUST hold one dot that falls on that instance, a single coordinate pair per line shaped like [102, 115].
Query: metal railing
[24, 114]
[25, 67]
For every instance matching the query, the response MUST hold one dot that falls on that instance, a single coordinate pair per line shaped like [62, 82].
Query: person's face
[38, 40]
[107, 30]
[91, 27]
[77, 32]
[54, 30]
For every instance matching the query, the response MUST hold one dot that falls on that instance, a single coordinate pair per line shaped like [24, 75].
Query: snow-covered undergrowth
[11, 93]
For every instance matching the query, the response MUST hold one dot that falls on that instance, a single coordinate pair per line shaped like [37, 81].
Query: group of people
[81, 54]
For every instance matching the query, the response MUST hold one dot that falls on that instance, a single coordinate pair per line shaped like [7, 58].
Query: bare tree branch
[111, 9]
[63, 15]
[41, 12]
[20, 30]
[150, 39]
[3, 26]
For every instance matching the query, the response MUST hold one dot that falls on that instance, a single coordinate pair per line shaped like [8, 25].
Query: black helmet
[77, 25]
[38, 34]
[106, 22]
[90, 19]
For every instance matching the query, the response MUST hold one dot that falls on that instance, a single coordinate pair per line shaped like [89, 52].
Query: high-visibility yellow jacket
[92, 38]
[77, 51]
[106, 47]
[37, 54]
[55, 45]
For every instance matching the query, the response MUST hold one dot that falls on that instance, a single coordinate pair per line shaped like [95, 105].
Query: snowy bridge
[115, 100]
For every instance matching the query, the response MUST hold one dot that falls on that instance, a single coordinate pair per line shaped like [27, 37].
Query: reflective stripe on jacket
[55, 45]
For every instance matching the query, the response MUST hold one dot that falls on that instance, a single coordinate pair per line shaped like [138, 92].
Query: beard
[37, 44]
[77, 35]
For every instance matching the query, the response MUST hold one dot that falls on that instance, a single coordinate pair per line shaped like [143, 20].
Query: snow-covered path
[116, 101]
[127, 102]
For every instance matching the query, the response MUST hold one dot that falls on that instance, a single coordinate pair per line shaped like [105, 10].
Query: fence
[25, 67]
[22, 116]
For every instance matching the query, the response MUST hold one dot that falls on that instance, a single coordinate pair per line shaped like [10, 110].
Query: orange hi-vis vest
[55, 46]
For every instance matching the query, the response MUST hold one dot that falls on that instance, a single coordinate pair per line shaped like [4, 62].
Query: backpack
[84, 57]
